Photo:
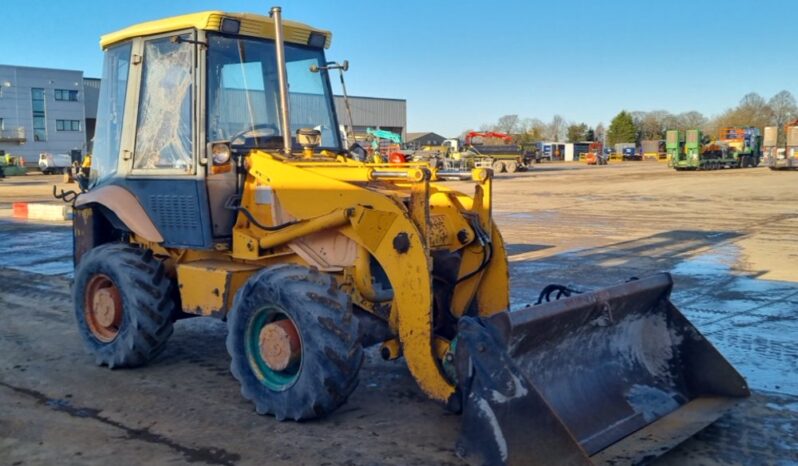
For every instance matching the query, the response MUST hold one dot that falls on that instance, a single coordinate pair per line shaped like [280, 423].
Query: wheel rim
[274, 348]
[103, 308]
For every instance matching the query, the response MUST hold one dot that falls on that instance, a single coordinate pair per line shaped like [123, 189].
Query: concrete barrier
[41, 211]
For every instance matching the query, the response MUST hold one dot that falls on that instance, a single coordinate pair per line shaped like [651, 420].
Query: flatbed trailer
[735, 148]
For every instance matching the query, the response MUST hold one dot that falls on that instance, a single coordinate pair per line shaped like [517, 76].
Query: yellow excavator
[219, 187]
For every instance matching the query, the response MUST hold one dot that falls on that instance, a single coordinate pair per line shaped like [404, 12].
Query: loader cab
[179, 107]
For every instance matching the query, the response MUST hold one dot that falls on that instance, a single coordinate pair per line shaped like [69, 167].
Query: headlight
[221, 153]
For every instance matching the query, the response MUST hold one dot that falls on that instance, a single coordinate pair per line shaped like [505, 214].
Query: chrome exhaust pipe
[282, 78]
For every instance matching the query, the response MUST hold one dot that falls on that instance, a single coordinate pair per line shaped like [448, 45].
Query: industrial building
[41, 110]
[418, 140]
[45, 110]
[373, 112]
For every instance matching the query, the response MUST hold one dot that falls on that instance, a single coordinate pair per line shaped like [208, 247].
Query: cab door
[161, 152]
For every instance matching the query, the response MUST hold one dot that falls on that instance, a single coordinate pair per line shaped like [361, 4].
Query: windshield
[244, 97]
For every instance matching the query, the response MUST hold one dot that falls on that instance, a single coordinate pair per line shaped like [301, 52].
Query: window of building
[67, 125]
[2, 125]
[39, 124]
[66, 94]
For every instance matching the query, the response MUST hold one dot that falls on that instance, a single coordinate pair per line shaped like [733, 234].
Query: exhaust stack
[282, 78]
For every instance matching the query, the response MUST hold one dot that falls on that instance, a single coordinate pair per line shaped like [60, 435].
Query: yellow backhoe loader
[219, 187]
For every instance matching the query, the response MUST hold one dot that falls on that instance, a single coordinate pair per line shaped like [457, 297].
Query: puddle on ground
[752, 321]
[526, 216]
[39, 249]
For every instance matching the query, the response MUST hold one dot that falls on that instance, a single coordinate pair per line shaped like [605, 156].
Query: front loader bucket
[614, 376]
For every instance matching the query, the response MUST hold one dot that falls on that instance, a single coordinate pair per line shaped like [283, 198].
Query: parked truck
[780, 157]
[505, 156]
[479, 150]
[735, 147]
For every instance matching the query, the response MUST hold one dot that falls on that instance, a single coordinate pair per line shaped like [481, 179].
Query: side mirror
[358, 152]
[345, 65]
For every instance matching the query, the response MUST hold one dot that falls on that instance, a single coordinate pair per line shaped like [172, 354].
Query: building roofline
[41, 68]
[335, 95]
[371, 98]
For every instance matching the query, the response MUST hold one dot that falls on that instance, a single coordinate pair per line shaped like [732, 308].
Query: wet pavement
[34, 247]
[734, 269]
[753, 322]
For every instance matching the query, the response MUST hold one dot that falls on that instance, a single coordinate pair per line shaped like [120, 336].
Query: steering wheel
[268, 133]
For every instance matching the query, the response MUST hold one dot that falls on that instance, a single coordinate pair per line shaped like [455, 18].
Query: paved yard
[730, 238]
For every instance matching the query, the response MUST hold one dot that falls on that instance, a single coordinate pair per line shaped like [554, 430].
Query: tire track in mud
[208, 455]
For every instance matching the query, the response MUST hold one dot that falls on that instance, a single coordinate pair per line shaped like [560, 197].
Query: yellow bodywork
[335, 216]
[207, 287]
[348, 219]
[251, 25]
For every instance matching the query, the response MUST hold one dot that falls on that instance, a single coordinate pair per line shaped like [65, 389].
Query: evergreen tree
[622, 129]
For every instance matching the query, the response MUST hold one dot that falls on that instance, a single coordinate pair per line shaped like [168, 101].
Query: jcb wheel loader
[219, 187]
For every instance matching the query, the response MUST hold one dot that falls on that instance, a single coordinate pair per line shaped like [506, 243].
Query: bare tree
[690, 120]
[784, 111]
[650, 125]
[556, 129]
[753, 110]
[531, 130]
[600, 133]
[507, 124]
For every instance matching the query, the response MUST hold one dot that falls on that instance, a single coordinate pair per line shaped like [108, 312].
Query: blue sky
[461, 64]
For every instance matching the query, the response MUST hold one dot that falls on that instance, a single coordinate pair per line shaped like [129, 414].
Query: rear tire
[498, 166]
[138, 299]
[511, 166]
[326, 370]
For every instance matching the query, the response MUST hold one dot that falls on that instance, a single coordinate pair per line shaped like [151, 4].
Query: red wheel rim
[103, 308]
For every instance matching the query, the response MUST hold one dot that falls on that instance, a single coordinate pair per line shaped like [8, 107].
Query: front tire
[124, 304]
[293, 343]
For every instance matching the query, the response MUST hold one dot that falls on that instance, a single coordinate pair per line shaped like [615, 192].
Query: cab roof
[251, 25]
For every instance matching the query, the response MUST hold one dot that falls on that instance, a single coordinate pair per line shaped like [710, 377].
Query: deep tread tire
[331, 354]
[147, 301]
[498, 166]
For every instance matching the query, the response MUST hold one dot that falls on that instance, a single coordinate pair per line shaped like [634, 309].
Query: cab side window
[111, 112]
[163, 134]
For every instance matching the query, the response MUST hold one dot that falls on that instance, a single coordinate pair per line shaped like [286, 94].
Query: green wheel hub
[277, 380]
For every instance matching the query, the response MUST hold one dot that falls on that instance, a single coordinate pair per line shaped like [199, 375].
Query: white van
[58, 163]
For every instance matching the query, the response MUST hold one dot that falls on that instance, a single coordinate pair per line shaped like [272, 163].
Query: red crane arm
[487, 134]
